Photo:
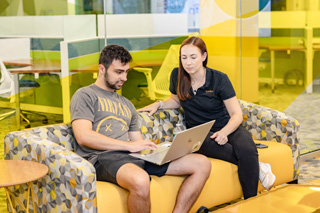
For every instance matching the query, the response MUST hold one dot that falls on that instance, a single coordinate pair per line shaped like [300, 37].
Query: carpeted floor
[301, 106]
[310, 172]
[304, 107]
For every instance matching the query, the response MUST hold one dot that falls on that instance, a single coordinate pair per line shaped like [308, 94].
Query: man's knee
[141, 183]
[200, 164]
[134, 179]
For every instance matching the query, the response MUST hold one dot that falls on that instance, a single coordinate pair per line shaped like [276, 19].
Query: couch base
[222, 186]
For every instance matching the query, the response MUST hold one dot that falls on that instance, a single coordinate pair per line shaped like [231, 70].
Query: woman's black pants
[241, 151]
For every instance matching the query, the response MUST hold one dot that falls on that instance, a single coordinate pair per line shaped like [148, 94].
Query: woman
[206, 94]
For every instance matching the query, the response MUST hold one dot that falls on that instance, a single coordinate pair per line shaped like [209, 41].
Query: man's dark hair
[114, 52]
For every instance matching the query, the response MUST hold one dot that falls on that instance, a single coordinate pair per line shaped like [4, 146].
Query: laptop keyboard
[158, 156]
[161, 150]
[152, 152]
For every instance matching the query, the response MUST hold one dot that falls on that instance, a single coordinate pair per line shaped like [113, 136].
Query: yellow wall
[229, 50]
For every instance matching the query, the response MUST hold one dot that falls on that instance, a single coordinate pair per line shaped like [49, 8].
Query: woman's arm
[170, 103]
[234, 110]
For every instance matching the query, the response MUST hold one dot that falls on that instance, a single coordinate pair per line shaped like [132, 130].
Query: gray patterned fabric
[270, 125]
[70, 185]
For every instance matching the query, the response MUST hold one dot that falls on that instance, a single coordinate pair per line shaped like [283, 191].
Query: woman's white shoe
[267, 178]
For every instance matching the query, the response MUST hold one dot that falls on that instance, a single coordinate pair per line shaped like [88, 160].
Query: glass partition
[288, 65]
[269, 49]
[148, 29]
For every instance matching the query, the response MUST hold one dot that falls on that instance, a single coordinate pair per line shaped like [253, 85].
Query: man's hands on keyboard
[161, 147]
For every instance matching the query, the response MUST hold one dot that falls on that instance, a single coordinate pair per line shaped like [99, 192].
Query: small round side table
[16, 172]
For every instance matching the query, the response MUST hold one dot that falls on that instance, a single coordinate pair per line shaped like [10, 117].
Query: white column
[65, 82]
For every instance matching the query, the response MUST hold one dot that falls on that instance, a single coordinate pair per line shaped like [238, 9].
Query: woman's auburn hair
[184, 80]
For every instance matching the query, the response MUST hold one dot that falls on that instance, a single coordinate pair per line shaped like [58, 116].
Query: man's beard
[108, 84]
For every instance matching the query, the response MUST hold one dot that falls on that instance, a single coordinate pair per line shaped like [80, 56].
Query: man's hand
[137, 146]
[220, 137]
[150, 108]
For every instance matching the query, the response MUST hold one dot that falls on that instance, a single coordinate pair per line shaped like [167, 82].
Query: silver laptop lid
[188, 141]
[185, 142]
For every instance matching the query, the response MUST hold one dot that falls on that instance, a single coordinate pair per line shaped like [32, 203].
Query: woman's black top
[207, 104]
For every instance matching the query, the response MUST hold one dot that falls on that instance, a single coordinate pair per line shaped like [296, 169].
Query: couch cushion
[60, 134]
[160, 125]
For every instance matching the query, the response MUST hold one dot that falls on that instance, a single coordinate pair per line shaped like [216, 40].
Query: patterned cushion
[59, 134]
[270, 125]
[160, 125]
[70, 185]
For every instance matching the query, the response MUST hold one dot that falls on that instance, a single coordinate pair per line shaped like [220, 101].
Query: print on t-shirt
[116, 115]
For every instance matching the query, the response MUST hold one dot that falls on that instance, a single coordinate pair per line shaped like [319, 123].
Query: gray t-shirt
[110, 113]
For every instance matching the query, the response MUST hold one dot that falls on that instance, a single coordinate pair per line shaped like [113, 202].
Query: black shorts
[108, 164]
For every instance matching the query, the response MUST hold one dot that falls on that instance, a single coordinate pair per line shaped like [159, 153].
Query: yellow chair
[158, 88]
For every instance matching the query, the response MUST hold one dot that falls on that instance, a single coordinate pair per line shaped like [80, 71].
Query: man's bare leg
[198, 168]
[136, 180]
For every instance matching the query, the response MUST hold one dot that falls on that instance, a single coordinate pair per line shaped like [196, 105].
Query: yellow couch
[222, 186]
[71, 185]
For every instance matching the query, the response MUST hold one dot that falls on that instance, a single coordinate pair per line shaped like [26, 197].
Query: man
[106, 129]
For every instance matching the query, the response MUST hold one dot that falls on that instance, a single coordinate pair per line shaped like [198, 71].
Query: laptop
[185, 142]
